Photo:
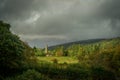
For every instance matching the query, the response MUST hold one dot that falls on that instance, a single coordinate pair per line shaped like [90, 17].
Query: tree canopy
[11, 48]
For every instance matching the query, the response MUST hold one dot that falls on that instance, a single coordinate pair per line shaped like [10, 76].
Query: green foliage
[30, 59]
[63, 71]
[29, 75]
[74, 50]
[15, 55]
[11, 50]
[59, 51]
[75, 72]
[108, 58]
[99, 73]
[39, 52]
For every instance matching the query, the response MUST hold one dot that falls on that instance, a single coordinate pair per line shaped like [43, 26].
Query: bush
[55, 60]
[99, 73]
[29, 75]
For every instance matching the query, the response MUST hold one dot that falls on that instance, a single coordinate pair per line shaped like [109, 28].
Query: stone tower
[46, 49]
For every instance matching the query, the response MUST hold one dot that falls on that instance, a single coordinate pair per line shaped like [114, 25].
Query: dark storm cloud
[62, 20]
[111, 10]
[19, 9]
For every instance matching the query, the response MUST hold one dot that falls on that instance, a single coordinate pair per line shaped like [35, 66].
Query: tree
[11, 49]
[59, 51]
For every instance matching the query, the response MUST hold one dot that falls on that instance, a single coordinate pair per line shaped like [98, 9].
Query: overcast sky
[52, 22]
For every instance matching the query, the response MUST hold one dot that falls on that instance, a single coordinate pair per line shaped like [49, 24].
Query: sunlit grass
[68, 60]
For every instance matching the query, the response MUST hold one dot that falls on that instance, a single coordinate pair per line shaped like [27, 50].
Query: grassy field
[68, 60]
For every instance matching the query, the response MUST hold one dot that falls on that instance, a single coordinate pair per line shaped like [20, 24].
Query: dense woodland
[96, 61]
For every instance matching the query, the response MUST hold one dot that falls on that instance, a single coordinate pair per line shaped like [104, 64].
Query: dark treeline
[18, 61]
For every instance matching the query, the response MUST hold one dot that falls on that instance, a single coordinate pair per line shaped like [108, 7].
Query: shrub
[29, 75]
[55, 60]
[99, 73]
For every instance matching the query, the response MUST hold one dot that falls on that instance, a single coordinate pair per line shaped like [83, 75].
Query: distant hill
[82, 42]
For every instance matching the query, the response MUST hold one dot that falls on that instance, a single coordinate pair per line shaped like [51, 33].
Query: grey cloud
[110, 9]
[19, 9]
[74, 19]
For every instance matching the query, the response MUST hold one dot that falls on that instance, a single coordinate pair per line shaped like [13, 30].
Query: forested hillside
[83, 42]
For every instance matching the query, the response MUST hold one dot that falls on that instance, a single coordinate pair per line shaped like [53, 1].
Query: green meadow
[50, 59]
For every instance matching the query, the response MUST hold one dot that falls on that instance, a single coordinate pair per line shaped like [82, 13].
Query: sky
[51, 22]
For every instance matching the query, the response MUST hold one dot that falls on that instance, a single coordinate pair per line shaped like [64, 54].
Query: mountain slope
[83, 42]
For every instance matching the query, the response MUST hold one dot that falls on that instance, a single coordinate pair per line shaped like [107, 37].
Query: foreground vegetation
[97, 61]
